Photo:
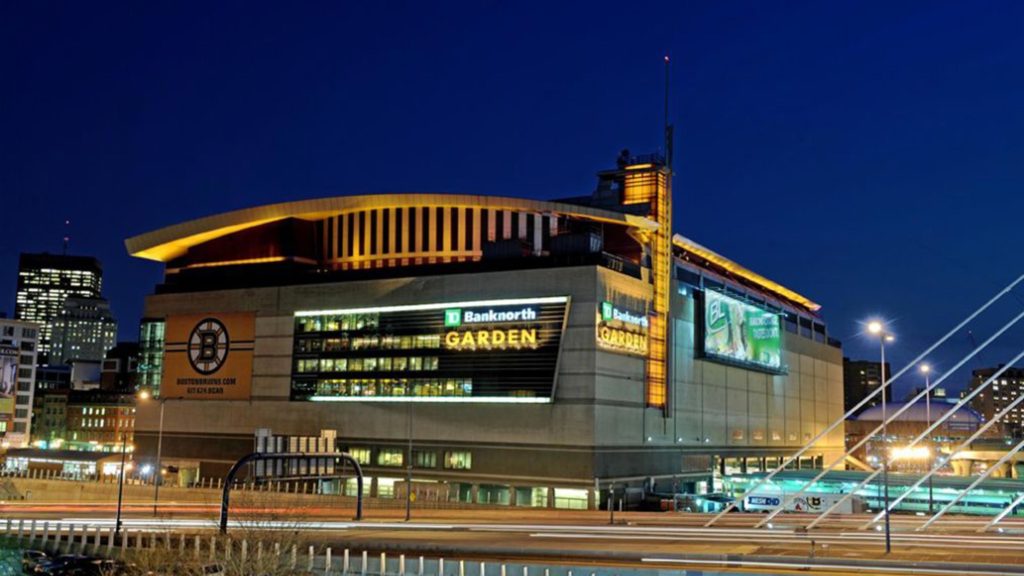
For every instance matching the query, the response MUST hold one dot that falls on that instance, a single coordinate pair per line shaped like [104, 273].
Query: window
[458, 460]
[361, 455]
[424, 459]
[390, 457]
[26, 360]
[28, 346]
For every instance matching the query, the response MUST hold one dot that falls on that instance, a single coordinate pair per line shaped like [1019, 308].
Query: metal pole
[885, 451]
[408, 467]
[120, 483]
[931, 443]
[159, 448]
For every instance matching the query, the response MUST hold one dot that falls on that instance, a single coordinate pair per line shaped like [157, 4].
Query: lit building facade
[861, 378]
[19, 342]
[98, 420]
[537, 351]
[85, 330]
[45, 281]
[999, 395]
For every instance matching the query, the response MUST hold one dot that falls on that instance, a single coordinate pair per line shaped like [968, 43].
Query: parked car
[32, 558]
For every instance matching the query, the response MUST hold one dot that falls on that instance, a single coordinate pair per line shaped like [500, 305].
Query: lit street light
[876, 328]
[158, 470]
[926, 370]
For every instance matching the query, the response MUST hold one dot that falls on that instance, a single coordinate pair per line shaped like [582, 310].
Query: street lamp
[408, 467]
[120, 483]
[157, 472]
[876, 328]
[926, 370]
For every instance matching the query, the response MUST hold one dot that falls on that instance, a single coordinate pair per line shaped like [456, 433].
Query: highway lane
[789, 521]
[640, 539]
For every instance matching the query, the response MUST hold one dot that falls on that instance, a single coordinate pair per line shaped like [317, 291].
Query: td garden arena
[514, 351]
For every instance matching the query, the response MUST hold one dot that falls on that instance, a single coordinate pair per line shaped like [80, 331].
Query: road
[583, 537]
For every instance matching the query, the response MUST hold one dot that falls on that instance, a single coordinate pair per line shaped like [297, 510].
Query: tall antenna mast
[668, 127]
[67, 235]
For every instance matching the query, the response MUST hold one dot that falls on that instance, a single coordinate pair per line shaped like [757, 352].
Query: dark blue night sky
[868, 155]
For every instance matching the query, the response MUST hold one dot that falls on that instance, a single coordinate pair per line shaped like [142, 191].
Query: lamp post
[878, 329]
[120, 483]
[926, 370]
[408, 467]
[157, 471]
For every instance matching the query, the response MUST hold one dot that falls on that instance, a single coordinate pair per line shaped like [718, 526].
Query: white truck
[814, 502]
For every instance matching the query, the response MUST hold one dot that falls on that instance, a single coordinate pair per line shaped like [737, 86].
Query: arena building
[534, 352]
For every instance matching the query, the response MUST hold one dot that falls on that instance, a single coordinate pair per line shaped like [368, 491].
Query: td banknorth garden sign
[208, 357]
[621, 330]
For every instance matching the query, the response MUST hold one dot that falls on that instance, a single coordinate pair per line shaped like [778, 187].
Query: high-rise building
[120, 370]
[1002, 392]
[18, 345]
[861, 378]
[45, 281]
[84, 330]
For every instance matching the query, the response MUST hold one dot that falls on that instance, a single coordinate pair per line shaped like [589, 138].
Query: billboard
[208, 356]
[474, 351]
[739, 332]
[8, 382]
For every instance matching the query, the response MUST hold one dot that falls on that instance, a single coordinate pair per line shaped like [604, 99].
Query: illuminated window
[361, 455]
[390, 457]
[458, 460]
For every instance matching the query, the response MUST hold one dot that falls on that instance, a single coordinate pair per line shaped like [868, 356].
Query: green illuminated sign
[453, 317]
[738, 331]
[607, 311]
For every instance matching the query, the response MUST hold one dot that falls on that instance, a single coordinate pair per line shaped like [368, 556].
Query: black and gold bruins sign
[208, 346]
[209, 356]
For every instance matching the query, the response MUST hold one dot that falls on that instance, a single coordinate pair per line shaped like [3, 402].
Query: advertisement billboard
[739, 332]
[8, 382]
[208, 356]
[492, 350]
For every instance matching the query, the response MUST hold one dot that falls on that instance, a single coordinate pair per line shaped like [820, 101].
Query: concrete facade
[596, 429]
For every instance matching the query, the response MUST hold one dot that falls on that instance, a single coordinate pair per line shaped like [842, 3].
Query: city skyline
[867, 143]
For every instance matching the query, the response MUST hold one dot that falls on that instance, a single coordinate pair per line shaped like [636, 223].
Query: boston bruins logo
[208, 346]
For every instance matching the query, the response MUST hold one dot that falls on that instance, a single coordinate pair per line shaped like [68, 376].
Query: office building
[538, 351]
[999, 395]
[120, 370]
[45, 281]
[861, 378]
[84, 330]
[19, 343]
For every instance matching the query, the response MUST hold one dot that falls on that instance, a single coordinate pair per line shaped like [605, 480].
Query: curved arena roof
[172, 241]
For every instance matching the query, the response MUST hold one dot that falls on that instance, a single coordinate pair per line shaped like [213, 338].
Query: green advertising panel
[740, 332]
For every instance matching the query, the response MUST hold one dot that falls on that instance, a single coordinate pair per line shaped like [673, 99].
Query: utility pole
[120, 483]
[408, 464]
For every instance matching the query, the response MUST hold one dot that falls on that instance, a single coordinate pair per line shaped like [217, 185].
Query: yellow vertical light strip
[367, 228]
[378, 262]
[478, 233]
[418, 241]
[356, 240]
[335, 244]
[460, 247]
[341, 250]
[650, 184]
[522, 225]
[392, 234]
[506, 227]
[431, 235]
[492, 225]
[405, 238]
[446, 234]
